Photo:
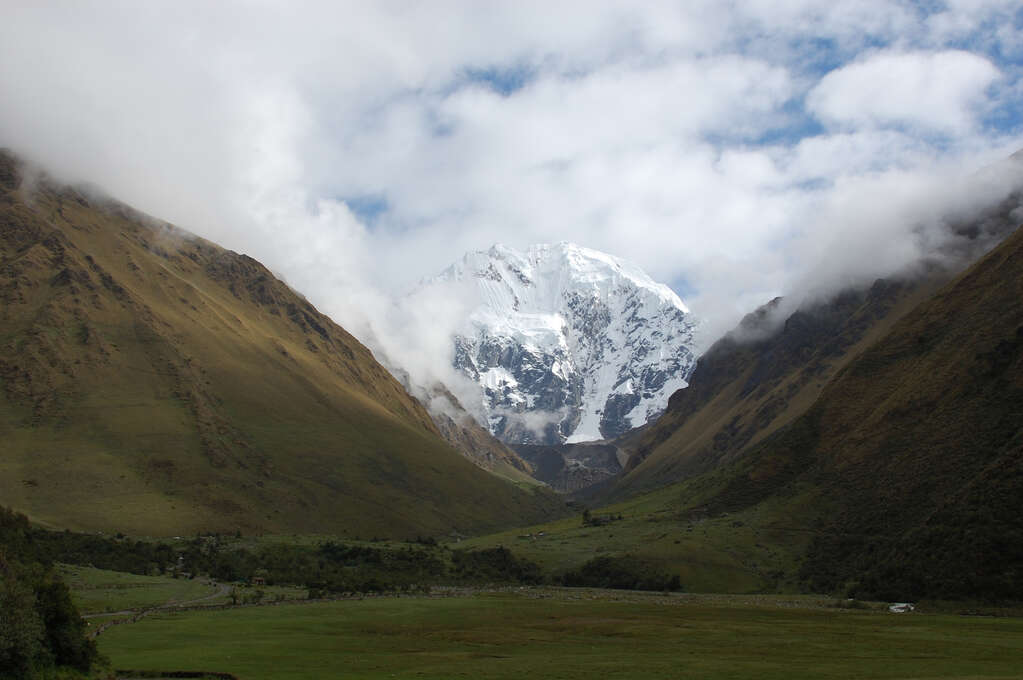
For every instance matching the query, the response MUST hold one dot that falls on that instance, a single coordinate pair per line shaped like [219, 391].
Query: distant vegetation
[625, 572]
[329, 567]
[495, 564]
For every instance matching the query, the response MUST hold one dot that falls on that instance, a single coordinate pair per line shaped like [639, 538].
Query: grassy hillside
[152, 382]
[919, 446]
[667, 532]
[905, 475]
[912, 456]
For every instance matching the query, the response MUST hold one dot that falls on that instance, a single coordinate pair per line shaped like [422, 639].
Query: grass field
[756, 550]
[98, 590]
[571, 634]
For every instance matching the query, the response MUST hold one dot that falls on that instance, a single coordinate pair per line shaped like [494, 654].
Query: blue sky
[734, 150]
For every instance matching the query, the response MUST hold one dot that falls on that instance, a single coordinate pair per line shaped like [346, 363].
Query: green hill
[908, 468]
[152, 382]
[918, 447]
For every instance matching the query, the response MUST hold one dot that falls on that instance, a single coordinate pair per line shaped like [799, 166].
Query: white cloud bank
[724, 148]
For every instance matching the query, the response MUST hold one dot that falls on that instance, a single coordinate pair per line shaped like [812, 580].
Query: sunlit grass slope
[154, 383]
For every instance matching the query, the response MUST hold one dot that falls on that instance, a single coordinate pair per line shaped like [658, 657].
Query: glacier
[567, 344]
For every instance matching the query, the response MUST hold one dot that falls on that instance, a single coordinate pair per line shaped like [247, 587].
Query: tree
[39, 625]
[65, 629]
[22, 633]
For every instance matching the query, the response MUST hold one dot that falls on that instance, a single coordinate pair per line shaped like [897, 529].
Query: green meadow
[755, 550]
[98, 590]
[568, 633]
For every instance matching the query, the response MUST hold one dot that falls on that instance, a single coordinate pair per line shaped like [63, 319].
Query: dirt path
[222, 589]
[170, 604]
[138, 614]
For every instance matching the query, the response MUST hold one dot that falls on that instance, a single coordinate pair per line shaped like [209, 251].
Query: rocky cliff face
[566, 343]
[570, 468]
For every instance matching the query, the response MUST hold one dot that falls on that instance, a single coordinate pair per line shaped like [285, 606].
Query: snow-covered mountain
[566, 343]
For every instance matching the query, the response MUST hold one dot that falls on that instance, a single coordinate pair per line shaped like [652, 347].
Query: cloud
[917, 221]
[357, 147]
[414, 333]
[938, 91]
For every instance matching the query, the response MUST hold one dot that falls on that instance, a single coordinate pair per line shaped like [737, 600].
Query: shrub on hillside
[495, 565]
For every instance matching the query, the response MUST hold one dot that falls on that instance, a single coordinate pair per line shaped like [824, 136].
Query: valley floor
[571, 633]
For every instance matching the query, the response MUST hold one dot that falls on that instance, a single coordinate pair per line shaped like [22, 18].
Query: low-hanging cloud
[894, 224]
[534, 422]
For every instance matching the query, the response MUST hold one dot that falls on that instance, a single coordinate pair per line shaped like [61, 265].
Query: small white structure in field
[901, 607]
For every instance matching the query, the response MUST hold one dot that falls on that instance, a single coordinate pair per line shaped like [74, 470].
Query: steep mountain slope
[918, 447]
[459, 428]
[761, 377]
[566, 343]
[468, 437]
[153, 382]
[774, 365]
[905, 469]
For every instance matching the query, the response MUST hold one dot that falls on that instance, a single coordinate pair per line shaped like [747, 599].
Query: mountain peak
[582, 265]
[568, 343]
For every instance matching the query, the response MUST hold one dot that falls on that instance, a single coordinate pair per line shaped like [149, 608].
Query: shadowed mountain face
[918, 445]
[773, 367]
[889, 421]
[570, 468]
[760, 378]
[153, 382]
